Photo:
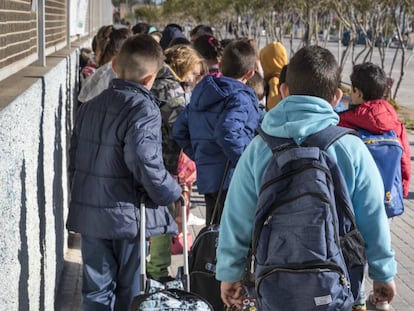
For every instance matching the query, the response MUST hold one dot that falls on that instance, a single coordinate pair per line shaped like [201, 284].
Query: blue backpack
[307, 251]
[387, 152]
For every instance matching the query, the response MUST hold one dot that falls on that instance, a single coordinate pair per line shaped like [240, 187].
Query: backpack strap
[322, 139]
[326, 137]
[276, 143]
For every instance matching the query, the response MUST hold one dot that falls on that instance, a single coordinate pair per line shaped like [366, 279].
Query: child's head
[210, 48]
[170, 32]
[139, 60]
[368, 82]
[186, 63]
[313, 71]
[258, 84]
[101, 40]
[200, 30]
[272, 58]
[113, 45]
[140, 28]
[239, 60]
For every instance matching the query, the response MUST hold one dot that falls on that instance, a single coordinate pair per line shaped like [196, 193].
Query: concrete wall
[36, 116]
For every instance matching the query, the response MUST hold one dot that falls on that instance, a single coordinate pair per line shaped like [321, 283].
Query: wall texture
[36, 116]
[35, 128]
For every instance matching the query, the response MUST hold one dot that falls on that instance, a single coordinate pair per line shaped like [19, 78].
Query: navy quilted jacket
[216, 126]
[115, 156]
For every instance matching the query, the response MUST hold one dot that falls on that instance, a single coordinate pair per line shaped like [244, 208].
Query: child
[99, 81]
[220, 121]
[210, 48]
[183, 65]
[370, 111]
[272, 58]
[200, 30]
[258, 84]
[114, 159]
[312, 71]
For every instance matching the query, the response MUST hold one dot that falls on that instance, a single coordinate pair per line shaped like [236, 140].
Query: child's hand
[384, 291]
[232, 293]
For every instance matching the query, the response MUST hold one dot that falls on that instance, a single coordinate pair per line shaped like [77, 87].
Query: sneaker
[193, 220]
[359, 307]
[381, 305]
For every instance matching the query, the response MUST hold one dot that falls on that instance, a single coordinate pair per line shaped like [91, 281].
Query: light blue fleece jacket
[297, 117]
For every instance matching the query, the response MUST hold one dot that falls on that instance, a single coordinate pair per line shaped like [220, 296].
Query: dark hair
[139, 55]
[201, 30]
[370, 79]
[238, 58]
[282, 77]
[94, 44]
[313, 71]
[116, 39]
[209, 47]
[140, 28]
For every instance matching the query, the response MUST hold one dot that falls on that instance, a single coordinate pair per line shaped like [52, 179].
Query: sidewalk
[68, 296]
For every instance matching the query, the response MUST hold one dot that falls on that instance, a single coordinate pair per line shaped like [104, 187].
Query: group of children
[160, 102]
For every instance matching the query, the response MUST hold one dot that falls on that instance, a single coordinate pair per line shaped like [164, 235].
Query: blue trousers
[111, 271]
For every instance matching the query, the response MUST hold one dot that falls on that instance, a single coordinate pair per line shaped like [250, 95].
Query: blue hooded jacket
[216, 126]
[297, 117]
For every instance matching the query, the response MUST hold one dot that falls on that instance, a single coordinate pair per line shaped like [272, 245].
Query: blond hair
[182, 59]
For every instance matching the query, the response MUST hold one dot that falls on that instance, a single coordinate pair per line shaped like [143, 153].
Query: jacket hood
[272, 58]
[211, 91]
[298, 116]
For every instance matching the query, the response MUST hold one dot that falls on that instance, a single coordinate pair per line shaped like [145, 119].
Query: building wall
[33, 179]
[37, 106]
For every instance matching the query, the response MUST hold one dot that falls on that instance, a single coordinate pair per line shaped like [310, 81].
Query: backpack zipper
[316, 268]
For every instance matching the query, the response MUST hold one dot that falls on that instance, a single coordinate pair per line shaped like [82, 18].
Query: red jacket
[378, 116]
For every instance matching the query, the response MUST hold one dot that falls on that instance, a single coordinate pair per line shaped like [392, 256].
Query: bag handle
[220, 193]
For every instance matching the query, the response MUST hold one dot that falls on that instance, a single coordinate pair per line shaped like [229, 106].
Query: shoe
[359, 307]
[177, 243]
[193, 220]
[381, 305]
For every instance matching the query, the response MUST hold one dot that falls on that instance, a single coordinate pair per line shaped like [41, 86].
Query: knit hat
[272, 58]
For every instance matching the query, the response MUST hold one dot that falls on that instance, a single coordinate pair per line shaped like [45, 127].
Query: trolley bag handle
[143, 245]
[220, 193]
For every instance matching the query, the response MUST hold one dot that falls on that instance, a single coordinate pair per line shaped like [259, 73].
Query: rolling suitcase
[173, 295]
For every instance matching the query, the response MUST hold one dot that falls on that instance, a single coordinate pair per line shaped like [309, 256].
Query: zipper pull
[268, 220]
[344, 281]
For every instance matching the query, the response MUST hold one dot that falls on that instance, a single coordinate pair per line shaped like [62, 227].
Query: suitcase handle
[143, 245]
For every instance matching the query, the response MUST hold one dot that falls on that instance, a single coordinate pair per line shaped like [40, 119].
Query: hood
[377, 116]
[272, 58]
[211, 91]
[298, 116]
[170, 33]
